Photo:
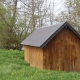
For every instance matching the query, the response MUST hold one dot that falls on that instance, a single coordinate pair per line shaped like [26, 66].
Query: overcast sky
[59, 5]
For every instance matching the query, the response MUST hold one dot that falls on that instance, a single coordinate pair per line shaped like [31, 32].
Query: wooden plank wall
[36, 57]
[62, 52]
[26, 53]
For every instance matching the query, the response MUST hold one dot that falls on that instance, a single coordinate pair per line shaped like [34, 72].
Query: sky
[59, 5]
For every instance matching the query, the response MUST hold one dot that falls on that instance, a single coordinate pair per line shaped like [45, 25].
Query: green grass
[13, 67]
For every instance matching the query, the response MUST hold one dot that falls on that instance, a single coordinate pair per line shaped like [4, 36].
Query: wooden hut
[55, 47]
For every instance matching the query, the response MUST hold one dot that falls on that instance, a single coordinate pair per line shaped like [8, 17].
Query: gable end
[54, 34]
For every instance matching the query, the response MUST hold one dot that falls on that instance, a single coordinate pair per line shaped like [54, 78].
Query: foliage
[11, 34]
[71, 14]
[13, 67]
[18, 18]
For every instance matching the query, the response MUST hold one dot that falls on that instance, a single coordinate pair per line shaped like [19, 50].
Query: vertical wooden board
[39, 59]
[36, 57]
[73, 46]
[26, 53]
[47, 57]
[66, 58]
[51, 56]
[55, 56]
[31, 56]
[77, 56]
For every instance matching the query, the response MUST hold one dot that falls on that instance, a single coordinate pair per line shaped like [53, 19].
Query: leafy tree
[71, 14]
[19, 20]
[10, 33]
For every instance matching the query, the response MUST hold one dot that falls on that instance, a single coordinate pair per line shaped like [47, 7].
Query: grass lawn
[13, 67]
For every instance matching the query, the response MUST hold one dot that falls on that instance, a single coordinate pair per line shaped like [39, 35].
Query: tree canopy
[18, 18]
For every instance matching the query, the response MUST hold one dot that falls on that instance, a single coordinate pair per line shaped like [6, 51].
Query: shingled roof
[41, 36]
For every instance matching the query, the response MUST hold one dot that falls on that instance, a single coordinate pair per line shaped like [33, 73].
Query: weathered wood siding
[26, 53]
[34, 56]
[62, 52]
